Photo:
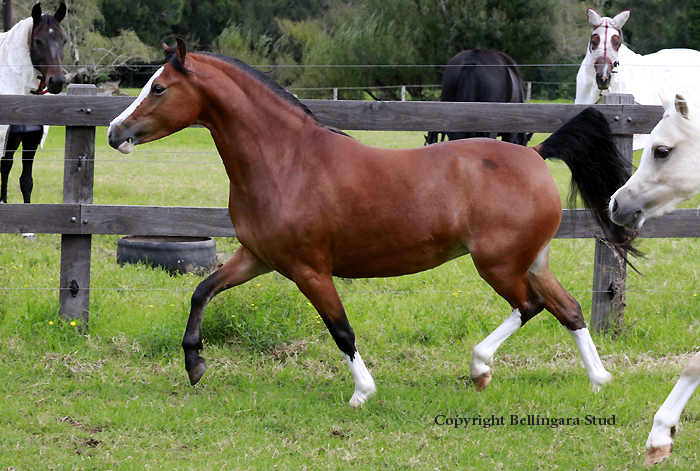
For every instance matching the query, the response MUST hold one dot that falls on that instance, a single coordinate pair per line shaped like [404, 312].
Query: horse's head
[604, 45]
[166, 104]
[669, 172]
[46, 49]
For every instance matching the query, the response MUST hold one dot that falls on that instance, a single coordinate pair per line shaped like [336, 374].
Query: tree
[204, 20]
[419, 32]
[656, 24]
[151, 20]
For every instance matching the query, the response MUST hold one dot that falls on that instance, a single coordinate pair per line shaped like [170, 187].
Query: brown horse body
[312, 203]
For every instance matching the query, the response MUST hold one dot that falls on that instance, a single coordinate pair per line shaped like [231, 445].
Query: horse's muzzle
[625, 212]
[119, 140]
[603, 72]
[54, 84]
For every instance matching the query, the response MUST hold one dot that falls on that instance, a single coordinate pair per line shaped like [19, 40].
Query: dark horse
[312, 203]
[482, 75]
[46, 54]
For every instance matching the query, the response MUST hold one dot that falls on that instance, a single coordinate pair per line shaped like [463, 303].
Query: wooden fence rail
[77, 218]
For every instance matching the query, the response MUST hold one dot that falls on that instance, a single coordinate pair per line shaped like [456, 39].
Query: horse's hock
[174, 254]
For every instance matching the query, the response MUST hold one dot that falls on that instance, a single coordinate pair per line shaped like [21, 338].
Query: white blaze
[142, 96]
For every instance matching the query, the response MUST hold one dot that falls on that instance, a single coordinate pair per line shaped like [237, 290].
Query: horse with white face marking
[611, 67]
[668, 174]
[311, 203]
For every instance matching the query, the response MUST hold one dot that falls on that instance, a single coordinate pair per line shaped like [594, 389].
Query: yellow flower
[72, 322]
[257, 284]
[50, 322]
[173, 305]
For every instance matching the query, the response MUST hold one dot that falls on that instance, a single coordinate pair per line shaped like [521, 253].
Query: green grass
[276, 391]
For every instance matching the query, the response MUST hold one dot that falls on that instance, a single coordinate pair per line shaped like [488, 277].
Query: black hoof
[197, 371]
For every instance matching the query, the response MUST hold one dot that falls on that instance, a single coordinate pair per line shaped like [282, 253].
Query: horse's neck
[628, 56]
[248, 122]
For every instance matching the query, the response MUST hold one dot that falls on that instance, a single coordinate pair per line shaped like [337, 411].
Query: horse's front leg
[13, 142]
[319, 289]
[243, 266]
[660, 442]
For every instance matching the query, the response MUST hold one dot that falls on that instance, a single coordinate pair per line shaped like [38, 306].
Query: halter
[41, 89]
[608, 24]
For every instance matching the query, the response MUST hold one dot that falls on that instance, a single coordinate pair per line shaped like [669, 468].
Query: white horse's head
[604, 46]
[669, 172]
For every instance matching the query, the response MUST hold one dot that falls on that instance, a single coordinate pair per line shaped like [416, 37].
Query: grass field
[276, 392]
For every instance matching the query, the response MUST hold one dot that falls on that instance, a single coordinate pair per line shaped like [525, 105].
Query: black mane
[252, 71]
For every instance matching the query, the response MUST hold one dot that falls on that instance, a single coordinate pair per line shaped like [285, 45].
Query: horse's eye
[595, 41]
[158, 89]
[616, 42]
[38, 42]
[662, 152]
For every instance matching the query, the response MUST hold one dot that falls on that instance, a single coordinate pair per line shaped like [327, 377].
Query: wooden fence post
[609, 269]
[78, 178]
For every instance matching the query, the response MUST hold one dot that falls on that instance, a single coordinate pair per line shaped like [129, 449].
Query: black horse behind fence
[485, 76]
[46, 54]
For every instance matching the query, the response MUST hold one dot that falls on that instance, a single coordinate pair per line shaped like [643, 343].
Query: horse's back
[470, 76]
[666, 72]
[439, 202]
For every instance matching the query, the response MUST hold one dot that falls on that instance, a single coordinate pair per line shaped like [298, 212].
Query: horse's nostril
[615, 206]
[638, 214]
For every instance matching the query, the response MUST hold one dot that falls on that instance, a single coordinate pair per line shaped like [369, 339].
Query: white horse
[611, 67]
[668, 174]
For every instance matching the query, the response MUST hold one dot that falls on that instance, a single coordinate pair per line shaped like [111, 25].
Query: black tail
[585, 144]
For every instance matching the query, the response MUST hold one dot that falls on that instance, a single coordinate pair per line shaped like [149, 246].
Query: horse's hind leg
[242, 267]
[320, 290]
[30, 143]
[568, 312]
[660, 442]
[510, 280]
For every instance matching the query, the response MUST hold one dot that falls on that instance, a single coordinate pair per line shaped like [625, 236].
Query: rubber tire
[174, 254]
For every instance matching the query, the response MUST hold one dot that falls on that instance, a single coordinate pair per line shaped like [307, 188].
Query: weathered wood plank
[509, 117]
[348, 114]
[215, 222]
[40, 218]
[609, 267]
[78, 178]
[681, 223]
[157, 220]
[61, 110]
[74, 295]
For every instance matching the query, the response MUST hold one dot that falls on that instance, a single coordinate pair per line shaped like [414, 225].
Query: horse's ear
[36, 13]
[682, 106]
[620, 19]
[594, 19]
[181, 51]
[665, 100]
[60, 13]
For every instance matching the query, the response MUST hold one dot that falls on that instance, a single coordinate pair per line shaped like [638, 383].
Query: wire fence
[26, 288]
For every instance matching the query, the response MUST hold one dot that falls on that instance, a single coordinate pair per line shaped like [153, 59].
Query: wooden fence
[77, 218]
